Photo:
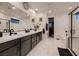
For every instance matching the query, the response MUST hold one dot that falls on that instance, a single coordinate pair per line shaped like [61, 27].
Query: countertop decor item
[33, 20]
[0, 22]
[1, 34]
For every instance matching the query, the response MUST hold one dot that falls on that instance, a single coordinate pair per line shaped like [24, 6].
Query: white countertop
[19, 35]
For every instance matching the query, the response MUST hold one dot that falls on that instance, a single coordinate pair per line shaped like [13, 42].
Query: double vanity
[20, 44]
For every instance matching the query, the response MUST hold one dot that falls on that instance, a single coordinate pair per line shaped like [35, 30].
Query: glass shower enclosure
[74, 32]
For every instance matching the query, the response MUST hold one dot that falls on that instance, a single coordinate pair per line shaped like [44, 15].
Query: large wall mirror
[4, 25]
[20, 19]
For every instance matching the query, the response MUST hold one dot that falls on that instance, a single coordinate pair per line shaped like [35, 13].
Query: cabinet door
[25, 46]
[9, 48]
[34, 40]
[23, 39]
[7, 45]
[38, 38]
[40, 35]
[10, 52]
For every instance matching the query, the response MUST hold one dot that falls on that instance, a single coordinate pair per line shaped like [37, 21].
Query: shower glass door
[75, 31]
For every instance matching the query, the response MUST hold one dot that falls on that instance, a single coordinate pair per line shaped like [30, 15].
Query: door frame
[48, 25]
[71, 31]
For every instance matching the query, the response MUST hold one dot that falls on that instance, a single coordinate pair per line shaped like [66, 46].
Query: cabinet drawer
[23, 39]
[25, 47]
[10, 52]
[7, 45]
[40, 36]
[33, 35]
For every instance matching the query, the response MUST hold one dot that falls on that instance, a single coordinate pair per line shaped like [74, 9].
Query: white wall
[61, 23]
[36, 17]
[44, 19]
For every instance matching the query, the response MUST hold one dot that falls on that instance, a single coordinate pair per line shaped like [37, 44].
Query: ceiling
[56, 7]
[43, 7]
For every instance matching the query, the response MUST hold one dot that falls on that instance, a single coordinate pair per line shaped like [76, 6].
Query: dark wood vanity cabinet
[9, 48]
[25, 45]
[36, 39]
[10, 52]
[20, 46]
[29, 42]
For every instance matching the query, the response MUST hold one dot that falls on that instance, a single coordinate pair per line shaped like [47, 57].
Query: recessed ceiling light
[50, 11]
[13, 7]
[36, 9]
[70, 7]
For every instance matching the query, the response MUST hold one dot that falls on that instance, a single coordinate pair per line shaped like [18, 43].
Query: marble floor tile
[46, 47]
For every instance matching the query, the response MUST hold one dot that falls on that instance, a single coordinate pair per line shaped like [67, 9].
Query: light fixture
[13, 7]
[70, 7]
[36, 9]
[50, 11]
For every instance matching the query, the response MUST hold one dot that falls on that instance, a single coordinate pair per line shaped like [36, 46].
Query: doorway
[51, 26]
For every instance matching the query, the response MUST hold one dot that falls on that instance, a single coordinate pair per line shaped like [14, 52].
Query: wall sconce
[33, 20]
[40, 19]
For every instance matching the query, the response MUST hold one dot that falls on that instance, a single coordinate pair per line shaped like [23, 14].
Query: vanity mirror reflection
[4, 25]
[20, 19]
